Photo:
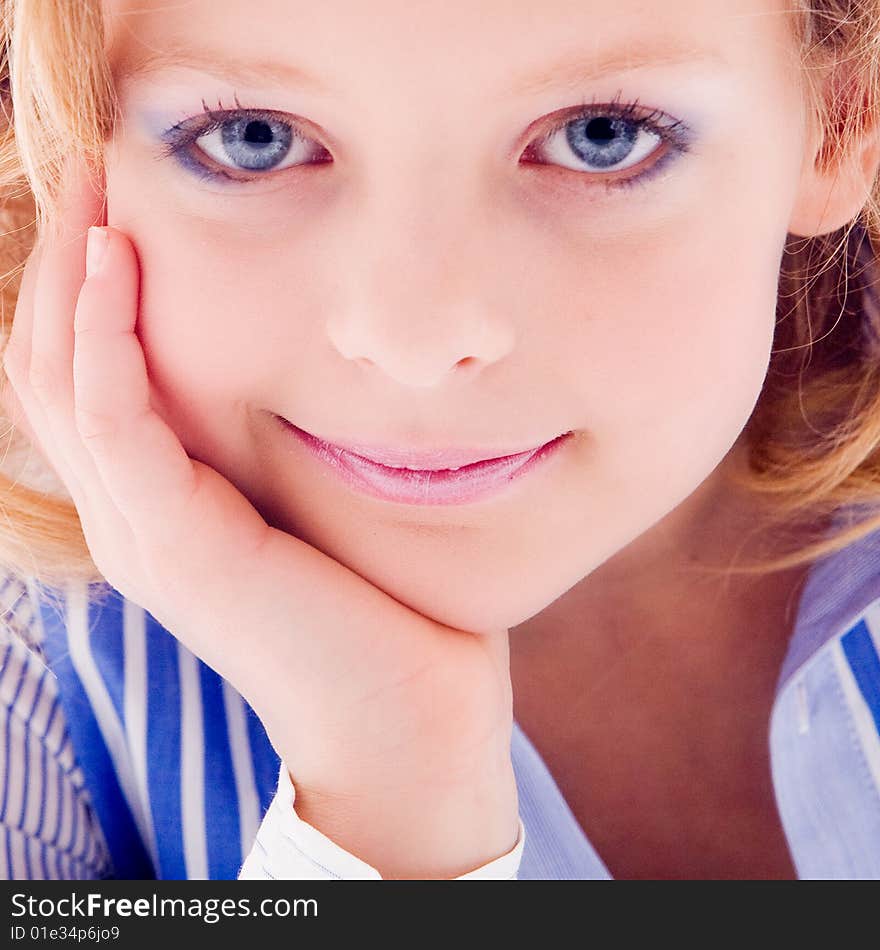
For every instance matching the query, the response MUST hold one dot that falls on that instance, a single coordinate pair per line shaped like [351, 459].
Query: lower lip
[445, 487]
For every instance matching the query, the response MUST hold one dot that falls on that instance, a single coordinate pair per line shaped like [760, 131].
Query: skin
[429, 288]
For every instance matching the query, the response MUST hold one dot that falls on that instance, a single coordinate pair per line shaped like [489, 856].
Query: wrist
[437, 832]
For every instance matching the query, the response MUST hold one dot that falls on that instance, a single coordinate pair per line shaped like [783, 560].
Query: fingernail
[96, 248]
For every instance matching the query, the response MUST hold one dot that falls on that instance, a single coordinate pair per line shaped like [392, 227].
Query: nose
[423, 294]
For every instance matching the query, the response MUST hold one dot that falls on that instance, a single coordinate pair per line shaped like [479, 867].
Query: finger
[62, 269]
[39, 357]
[22, 409]
[17, 352]
[137, 455]
[14, 412]
[44, 315]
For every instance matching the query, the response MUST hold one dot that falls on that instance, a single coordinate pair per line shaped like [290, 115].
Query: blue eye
[612, 138]
[243, 141]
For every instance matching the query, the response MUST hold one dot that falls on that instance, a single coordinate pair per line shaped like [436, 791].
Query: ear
[834, 189]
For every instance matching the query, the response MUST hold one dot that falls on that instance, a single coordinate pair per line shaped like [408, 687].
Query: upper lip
[429, 459]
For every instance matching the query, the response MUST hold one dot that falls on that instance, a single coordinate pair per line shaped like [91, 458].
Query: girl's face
[423, 245]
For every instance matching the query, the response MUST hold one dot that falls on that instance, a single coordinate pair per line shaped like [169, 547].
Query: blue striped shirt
[125, 756]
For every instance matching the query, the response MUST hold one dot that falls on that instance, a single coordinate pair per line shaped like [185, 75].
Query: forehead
[491, 45]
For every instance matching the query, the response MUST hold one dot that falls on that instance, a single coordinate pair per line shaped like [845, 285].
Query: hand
[391, 723]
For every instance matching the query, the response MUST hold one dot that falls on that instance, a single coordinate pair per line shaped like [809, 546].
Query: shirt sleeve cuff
[288, 848]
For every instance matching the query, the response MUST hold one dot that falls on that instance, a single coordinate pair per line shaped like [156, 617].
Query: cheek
[192, 324]
[668, 349]
[692, 341]
[197, 317]
[196, 330]
[674, 327]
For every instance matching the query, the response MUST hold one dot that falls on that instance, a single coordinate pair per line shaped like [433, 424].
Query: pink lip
[432, 460]
[461, 481]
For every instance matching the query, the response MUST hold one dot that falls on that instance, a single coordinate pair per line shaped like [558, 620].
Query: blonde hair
[814, 436]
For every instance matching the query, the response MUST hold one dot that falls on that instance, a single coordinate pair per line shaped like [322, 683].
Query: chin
[480, 613]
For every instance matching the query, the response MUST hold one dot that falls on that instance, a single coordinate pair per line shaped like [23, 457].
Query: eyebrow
[576, 66]
[572, 67]
[215, 63]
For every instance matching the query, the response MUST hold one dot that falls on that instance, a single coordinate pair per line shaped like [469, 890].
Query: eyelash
[677, 135]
